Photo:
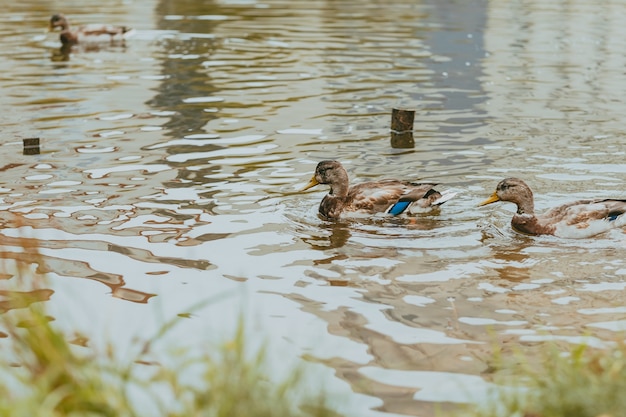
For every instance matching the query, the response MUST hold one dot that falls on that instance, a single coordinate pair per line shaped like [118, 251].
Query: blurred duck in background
[87, 33]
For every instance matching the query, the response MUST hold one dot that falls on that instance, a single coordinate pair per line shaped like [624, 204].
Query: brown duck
[88, 33]
[384, 196]
[578, 219]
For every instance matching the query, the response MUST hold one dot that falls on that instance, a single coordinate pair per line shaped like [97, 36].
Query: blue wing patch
[612, 216]
[398, 208]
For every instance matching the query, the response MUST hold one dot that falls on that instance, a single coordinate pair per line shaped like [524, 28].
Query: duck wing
[389, 196]
[617, 209]
[585, 210]
[585, 218]
[95, 29]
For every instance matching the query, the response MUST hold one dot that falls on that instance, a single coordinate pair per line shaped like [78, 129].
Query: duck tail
[127, 32]
[445, 196]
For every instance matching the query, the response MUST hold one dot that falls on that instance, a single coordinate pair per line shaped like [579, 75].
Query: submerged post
[402, 120]
[402, 128]
[31, 146]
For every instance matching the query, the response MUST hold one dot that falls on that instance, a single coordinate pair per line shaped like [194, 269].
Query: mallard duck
[384, 196]
[88, 33]
[578, 219]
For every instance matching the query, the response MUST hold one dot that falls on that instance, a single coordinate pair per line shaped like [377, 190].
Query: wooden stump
[402, 120]
[402, 128]
[31, 146]
[402, 140]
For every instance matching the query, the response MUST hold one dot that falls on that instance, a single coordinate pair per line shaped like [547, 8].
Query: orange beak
[494, 197]
[311, 184]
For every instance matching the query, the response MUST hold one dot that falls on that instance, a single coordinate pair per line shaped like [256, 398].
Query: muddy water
[169, 167]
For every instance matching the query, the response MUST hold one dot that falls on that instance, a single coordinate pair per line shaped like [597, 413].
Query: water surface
[169, 168]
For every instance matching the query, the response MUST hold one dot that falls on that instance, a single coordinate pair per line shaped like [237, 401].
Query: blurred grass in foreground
[585, 382]
[43, 373]
[50, 378]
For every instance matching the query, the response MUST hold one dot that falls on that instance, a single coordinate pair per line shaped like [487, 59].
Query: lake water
[169, 171]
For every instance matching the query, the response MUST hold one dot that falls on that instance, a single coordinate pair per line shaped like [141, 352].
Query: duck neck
[331, 206]
[338, 190]
[64, 24]
[527, 207]
[340, 184]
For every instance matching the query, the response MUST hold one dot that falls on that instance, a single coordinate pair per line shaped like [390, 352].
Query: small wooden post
[31, 146]
[402, 120]
[402, 128]
[402, 140]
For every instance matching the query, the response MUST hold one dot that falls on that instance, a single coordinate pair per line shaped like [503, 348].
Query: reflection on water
[169, 166]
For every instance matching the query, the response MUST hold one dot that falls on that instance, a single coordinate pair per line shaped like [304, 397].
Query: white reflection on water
[435, 386]
[103, 172]
[603, 310]
[615, 325]
[479, 321]
[223, 154]
[210, 210]
[399, 333]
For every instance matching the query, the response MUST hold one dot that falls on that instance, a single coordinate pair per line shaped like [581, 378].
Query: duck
[390, 196]
[577, 219]
[88, 33]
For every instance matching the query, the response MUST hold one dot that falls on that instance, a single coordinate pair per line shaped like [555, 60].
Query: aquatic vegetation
[46, 372]
[585, 382]
[48, 375]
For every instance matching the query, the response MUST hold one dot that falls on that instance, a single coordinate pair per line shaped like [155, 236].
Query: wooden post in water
[402, 120]
[31, 146]
[402, 128]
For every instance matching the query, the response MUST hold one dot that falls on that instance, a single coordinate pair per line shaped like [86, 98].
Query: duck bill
[494, 197]
[311, 184]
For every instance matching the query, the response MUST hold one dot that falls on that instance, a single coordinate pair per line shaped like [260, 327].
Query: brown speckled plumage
[577, 219]
[85, 33]
[373, 196]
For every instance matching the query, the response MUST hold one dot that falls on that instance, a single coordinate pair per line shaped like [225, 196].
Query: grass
[44, 373]
[584, 382]
[48, 376]
[51, 377]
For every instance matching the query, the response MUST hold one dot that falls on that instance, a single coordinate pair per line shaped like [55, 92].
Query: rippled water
[169, 168]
